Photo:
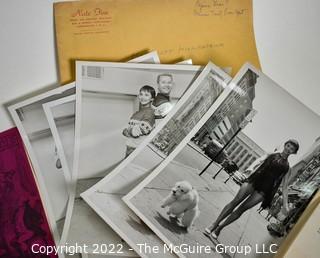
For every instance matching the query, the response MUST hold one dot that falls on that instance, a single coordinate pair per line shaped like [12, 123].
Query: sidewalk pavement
[250, 229]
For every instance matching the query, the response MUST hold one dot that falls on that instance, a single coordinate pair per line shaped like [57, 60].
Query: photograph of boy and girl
[277, 155]
[152, 107]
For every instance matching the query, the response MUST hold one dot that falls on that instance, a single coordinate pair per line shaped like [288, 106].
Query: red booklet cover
[24, 227]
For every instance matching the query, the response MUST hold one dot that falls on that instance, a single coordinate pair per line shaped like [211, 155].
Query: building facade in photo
[228, 118]
[227, 122]
[243, 151]
[191, 113]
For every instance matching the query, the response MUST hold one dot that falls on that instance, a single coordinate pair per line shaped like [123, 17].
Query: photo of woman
[261, 186]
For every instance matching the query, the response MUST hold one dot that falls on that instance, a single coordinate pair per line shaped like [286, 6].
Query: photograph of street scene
[244, 179]
[105, 197]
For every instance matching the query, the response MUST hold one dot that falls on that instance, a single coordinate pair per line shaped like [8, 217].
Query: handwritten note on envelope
[203, 30]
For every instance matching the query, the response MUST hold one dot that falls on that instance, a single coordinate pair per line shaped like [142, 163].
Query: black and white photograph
[61, 117]
[241, 182]
[60, 114]
[31, 121]
[207, 91]
[109, 107]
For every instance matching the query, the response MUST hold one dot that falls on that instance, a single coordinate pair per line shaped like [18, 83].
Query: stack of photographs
[143, 159]
[46, 123]
[198, 211]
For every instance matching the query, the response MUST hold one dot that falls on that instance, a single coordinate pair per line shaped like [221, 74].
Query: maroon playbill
[24, 227]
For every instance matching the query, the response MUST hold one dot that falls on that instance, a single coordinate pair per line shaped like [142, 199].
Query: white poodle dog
[183, 203]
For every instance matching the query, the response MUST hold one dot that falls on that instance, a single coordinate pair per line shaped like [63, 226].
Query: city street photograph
[242, 181]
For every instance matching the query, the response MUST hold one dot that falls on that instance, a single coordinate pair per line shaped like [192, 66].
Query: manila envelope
[201, 30]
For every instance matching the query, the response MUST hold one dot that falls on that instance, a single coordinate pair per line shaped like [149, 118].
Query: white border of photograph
[120, 168]
[45, 196]
[152, 58]
[47, 107]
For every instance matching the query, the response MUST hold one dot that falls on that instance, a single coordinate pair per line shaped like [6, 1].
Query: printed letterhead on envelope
[202, 30]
